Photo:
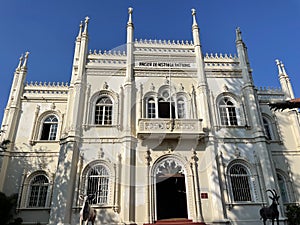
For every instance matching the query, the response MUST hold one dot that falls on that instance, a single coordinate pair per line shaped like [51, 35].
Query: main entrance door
[170, 192]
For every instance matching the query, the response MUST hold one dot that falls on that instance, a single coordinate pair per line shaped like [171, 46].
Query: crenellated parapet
[269, 94]
[45, 89]
[109, 57]
[221, 62]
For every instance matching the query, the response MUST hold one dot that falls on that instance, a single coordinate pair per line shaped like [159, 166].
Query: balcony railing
[170, 128]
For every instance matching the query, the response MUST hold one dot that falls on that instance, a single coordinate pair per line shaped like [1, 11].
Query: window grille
[228, 113]
[49, 128]
[97, 183]
[103, 111]
[38, 191]
[240, 183]
[267, 128]
[151, 108]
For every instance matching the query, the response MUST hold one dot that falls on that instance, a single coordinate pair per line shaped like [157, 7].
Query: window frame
[46, 192]
[50, 129]
[107, 111]
[250, 187]
[110, 190]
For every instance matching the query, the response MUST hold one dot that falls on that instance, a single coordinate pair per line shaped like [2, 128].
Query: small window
[38, 190]
[267, 128]
[103, 111]
[151, 108]
[181, 108]
[283, 188]
[49, 128]
[97, 183]
[240, 183]
[228, 113]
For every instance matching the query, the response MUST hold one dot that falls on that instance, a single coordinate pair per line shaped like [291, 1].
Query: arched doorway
[170, 190]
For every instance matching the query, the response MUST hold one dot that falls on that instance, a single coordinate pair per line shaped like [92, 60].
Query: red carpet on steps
[175, 222]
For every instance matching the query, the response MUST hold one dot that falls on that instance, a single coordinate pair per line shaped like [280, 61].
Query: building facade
[156, 132]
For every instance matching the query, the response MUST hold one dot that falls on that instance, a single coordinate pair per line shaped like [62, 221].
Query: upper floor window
[98, 183]
[240, 183]
[165, 106]
[267, 128]
[151, 108]
[228, 113]
[49, 128]
[38, 190]
[103, 111]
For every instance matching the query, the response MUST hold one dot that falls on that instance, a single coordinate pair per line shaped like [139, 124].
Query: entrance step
[175, 221]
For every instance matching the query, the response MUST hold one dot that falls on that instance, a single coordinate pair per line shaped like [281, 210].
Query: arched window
[228, 114]
[283, 188]
[240, 183]
[151, 109]
[38, 190]
[98, 183]
[103, 111]
[268, 128]
[49, 128]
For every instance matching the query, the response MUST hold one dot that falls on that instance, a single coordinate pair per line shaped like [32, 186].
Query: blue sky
[47, 29]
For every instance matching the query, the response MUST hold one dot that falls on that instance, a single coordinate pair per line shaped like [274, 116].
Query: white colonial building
[160, 131]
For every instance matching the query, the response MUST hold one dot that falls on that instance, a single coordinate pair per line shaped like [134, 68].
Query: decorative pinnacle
[194, 17]
[25, 60]
[283, 68]
[238, 34]
[130, 10]
[20, 62]
[80, 28]
[278, 63]
[86, 21]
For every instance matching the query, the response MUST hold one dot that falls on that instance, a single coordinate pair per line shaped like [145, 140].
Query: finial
[283, 68]
[25, 60]
[238, 34]
[20, 62]
[194, 17]
[86, 21]
[80, 28]
[130, 10]
[278, 65]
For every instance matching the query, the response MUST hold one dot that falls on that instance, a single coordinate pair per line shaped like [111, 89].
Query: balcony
[170, 128]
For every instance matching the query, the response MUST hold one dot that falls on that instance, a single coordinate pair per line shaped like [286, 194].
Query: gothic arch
[230, 110]
[103, 178]
[114, 97]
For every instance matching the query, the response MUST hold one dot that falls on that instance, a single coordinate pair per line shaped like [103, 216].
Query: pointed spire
[195, 25]
[130, 10]
[279, 66]
[25, 60]
[80, 29]
[86, 22]
[20, 62]
[238, 34]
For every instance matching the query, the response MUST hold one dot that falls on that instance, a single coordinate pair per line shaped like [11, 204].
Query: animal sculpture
[271, 212]
[87, 213]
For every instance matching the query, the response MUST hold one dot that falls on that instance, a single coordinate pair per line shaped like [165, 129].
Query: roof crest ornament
[283, 68]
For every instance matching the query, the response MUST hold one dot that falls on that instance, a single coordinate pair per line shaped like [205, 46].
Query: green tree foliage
[7, 209]
[293, 214]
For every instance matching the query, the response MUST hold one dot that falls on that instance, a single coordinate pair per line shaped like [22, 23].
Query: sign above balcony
[150, 64]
